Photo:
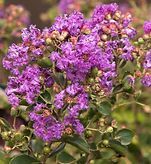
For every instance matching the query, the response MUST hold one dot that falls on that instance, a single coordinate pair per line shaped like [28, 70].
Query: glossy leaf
[125, 136]
[64, 157]
[4, 123]
[23, 159]
[104, 108]
[58, 149]
[4, 159]
[78, 142]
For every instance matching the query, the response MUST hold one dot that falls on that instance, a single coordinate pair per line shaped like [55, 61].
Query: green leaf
[64, 157]
[115, 145]
[4, 159]
[82, 160]
[5, 124]
[23, 159]
[78, 142]
[107, 153]
[58, 149]
[46, 95]
[117, 88]
[2, 86]
[37, 145]
[105, 108]
[122, 150]
[45, 62]
[125, 136]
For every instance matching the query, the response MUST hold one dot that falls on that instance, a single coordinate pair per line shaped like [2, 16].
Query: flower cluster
[68, 6]
[72, 60]
[13, 18]
[146, 72]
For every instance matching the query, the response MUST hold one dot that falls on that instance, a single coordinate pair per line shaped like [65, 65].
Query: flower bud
[95, 71]
[91, 80]
[61, 38]
[117, 15]
[141, 41]
[18, 136]
[108, 17]
[146, 36]
[106, 29]
[89, 133]
[138, 74]
[109, 129]
[22, 128]
[92, 161]
[5, 136]
[48, 41]
[55, 34]
[46, 150]
[104, 37]
[86, 30]
[136, 43]
[68, 130]
[100, 44]
[14, 112]
[105, 142]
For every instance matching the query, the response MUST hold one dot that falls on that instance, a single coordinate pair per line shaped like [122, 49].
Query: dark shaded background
[35, 7]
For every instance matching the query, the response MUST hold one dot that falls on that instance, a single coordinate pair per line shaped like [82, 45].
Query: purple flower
[59, 100]
[147, 62]
[16, 57]
[25, 85]
[72, 23]
[75, 124]
[147, 27]
[146, 80]
[101, 11]
[74, 89]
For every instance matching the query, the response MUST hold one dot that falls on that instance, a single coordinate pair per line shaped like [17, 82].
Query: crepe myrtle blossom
[68, 6]
[146, 79]
[147, 27]
[83, 56]
[48, 128]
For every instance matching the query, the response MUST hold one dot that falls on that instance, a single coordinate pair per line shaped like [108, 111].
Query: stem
[14, 123]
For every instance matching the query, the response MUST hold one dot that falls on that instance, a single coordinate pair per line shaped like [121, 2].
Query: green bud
[109, 129]
[91, 80]
[14, 112]
[18, 136]
[46, 150]
[141, 41]
[101, 119]
[136, 43]
[10, 143]
[92, 162]
[95, 71]
[89, 133]
[40, 157]
[105, 142]
[5, 135]
[22, 128]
